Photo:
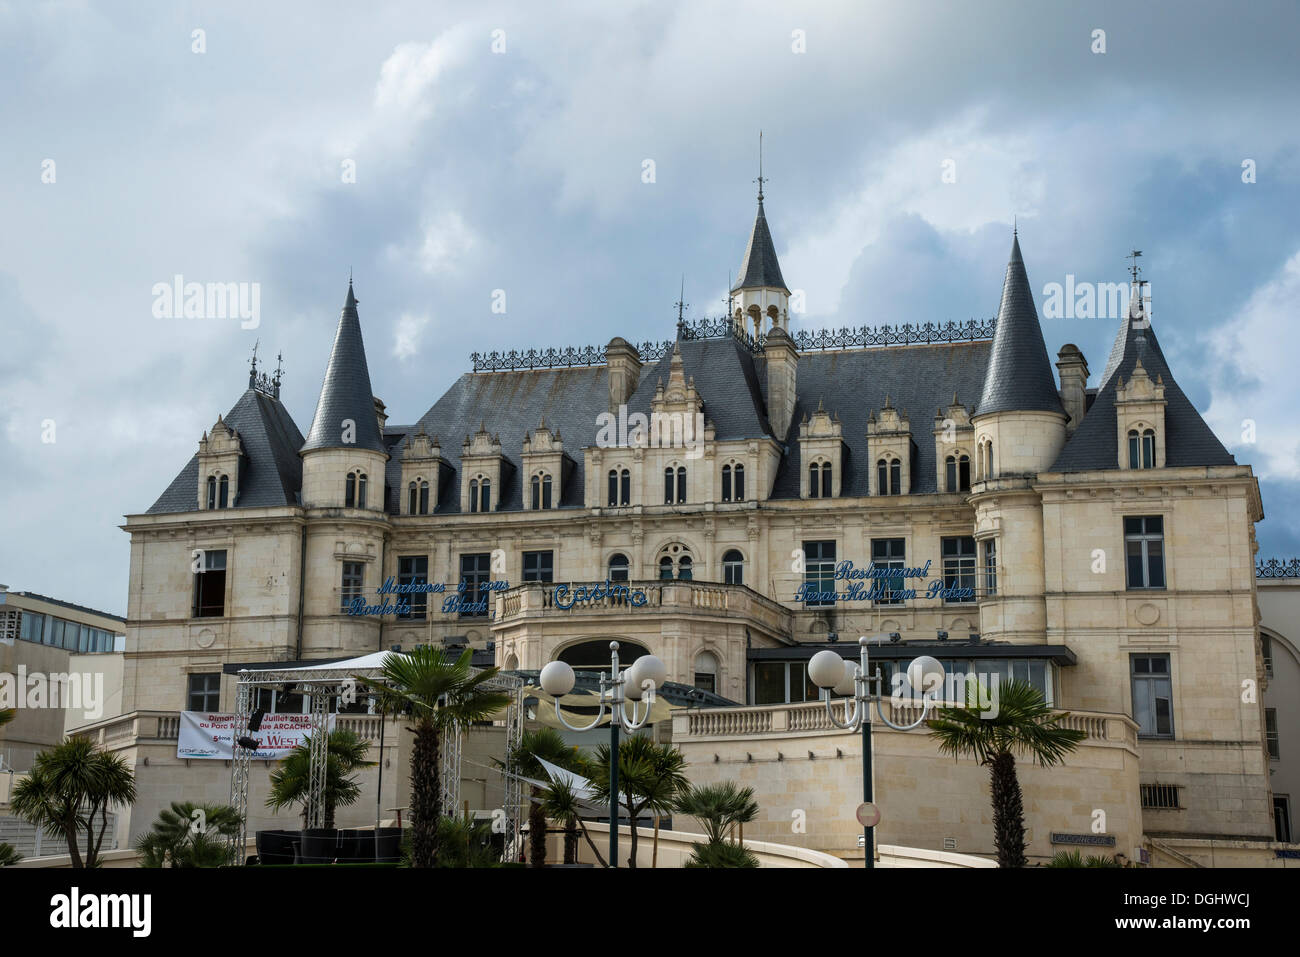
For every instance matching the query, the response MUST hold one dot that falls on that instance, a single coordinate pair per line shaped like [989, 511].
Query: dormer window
[540, 486]
[889, 476]
[223, 492]
[212, 491]
[354, 490]
[733, 483]
[819, 480]
[480, 494]
[417, 498]
[1141, 449]
[957, 469]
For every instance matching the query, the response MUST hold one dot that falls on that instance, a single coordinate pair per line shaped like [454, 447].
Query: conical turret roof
[1019, 376]
[760, 269]
[345, 395]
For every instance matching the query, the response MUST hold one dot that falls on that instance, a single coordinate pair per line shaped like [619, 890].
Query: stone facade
[1040, 496]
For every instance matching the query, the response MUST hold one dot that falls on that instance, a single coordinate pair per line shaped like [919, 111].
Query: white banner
[207, 735]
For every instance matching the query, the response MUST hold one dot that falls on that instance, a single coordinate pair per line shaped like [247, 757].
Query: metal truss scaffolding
[323, 684]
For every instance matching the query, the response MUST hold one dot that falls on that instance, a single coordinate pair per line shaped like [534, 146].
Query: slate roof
[346, 392]
[1095, 443]
[271, 473]
[759, 268]
[854, 383]
[1020, 374]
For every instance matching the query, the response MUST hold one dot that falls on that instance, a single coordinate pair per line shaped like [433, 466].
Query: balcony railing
[788, 719]
[661, 596]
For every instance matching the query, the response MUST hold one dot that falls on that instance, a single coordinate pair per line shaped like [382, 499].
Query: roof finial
[761, 180]
[1134, 271]
[681, 305]
[252, 365]
[1015, 226]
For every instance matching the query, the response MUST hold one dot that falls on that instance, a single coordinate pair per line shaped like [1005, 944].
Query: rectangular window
[1160, 797]
[1153, 699]
[705, 681]
[210, 585]
[414, 570]
[1282, 818]
[1144, 549]
[1270, 734]
[1266, 646]
[205, 691]
[354, 574]
[959, 568]
[819, 574]
[475, 573]
[888, 553]
[33, 626]
[783, 682]
[539, 566]
[991, 567]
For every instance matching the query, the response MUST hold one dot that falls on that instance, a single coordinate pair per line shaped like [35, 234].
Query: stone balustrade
[811, 717]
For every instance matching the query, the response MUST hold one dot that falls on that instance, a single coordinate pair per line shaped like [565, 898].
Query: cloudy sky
[505, 147]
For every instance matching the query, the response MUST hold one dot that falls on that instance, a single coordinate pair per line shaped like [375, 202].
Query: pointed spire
[345, 394]
[760, 268]
[1019, 375]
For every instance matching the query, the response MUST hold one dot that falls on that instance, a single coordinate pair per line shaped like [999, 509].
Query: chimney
[1073, 370]
[381, 413]
[782, 364]
[624, 365]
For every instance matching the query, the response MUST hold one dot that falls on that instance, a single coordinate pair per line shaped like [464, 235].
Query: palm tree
[436, 693]
[6, 715]
[548, 745]
[649, 777]
[1021, 724]
[189, 835]
[561, 803]
[721, 854]
[718, 807]
[291, 780]
[68, 786]
[8, 855]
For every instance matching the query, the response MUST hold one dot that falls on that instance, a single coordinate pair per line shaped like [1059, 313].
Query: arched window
[424, 498]
[681, 484]
[613, 488]
[889, 477]
[957, 468]
[625, 487]
[212, 491]
[546, 491]
[684, 568]
[484, 496]
[826, 480]
[668, 486]
[989, 449]
[473, 495]
[665, 568]
[536, 484]
[223, 496]
[618, 568]
[814, 480]
[706, 671]
[733, 568]
[350, 490]
[726, 483]
[1141, 449]
[412, 497]
[738, 488]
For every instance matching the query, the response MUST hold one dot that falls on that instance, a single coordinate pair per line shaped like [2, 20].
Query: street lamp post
[639, 683]
[832, 673]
